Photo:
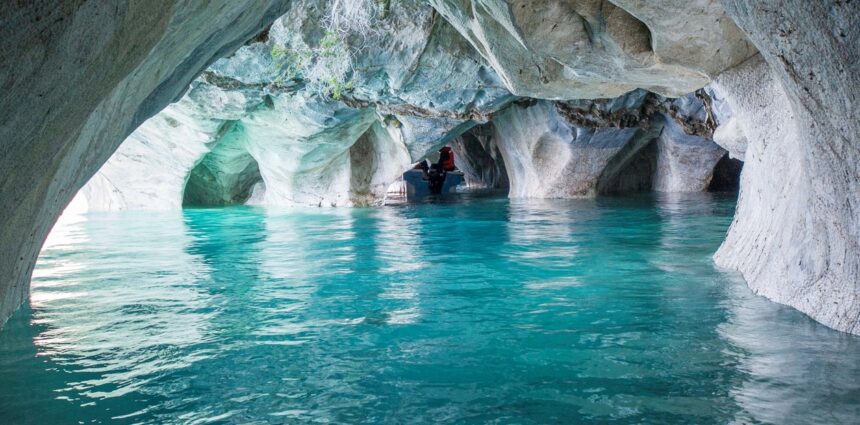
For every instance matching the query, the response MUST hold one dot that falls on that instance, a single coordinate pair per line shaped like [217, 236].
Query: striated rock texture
[226, 175]
[149, 170]
[548, 157]
[77, 78]
[251, 128]
[478, 157]
[685, 162]
[415, 79]
[638, 141]
[424, 83]
[796, 234]
[597, 48]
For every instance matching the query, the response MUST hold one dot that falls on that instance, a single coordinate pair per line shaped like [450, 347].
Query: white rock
[594, 49]
[793, 241]
[685, 163]
[547, 157]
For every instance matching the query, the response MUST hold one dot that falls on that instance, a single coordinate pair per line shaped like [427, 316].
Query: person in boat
[436, 178]
[422, 165]
[446, 159]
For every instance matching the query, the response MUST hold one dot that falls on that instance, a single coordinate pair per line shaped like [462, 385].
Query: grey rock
[685, 163]
[85, 76]
[796, 234]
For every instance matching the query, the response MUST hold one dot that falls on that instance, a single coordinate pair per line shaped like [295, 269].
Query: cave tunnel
[672, 211]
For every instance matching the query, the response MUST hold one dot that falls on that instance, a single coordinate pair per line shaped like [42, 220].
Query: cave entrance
[227, 175]
[727, 175]
[634, 176]
[479, 168]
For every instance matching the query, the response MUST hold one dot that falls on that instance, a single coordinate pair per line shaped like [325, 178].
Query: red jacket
[446, 159]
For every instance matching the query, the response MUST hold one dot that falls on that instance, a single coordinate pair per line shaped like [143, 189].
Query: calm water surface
[481, 311]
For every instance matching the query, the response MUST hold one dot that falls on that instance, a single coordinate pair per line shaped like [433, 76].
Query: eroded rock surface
[86, 76]
[478, 156]
[796, 234]
[78, 78]
[685, 162]
[583, 148]
[548, 157]
[415, 77]
[597, 48]
[427, 85]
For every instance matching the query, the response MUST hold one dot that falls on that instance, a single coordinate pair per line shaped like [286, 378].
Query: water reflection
[482, 311]
[796, 371]
[101, 361]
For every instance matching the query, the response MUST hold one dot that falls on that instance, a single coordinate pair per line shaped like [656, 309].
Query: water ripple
[483, 311]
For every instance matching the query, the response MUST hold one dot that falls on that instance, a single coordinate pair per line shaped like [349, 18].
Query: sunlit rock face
[415, 85]
[150, 169]
[303, 149]
[83, 76]
[796, 234]
[597, 48]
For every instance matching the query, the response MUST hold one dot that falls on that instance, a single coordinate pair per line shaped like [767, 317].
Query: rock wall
[150, 168]
[685, 162]
[796, 234]
[86, 75]
[584, 148]
[477, 156]
[226, 175]
[597, 48]
[415, 76]
[546, 156]
[428, 86]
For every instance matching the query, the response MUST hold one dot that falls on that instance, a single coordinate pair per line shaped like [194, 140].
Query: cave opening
[727, 175]
[635, 176]
[597, 128]
[226, 175]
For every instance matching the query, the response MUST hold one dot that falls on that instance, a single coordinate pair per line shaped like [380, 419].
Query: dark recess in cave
[727, 175]
[637, 176]
[211, 188]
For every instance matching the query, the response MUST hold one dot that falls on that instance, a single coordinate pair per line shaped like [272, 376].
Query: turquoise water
[480, 311]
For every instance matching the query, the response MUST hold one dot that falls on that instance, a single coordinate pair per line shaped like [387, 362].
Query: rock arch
[78, 78]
